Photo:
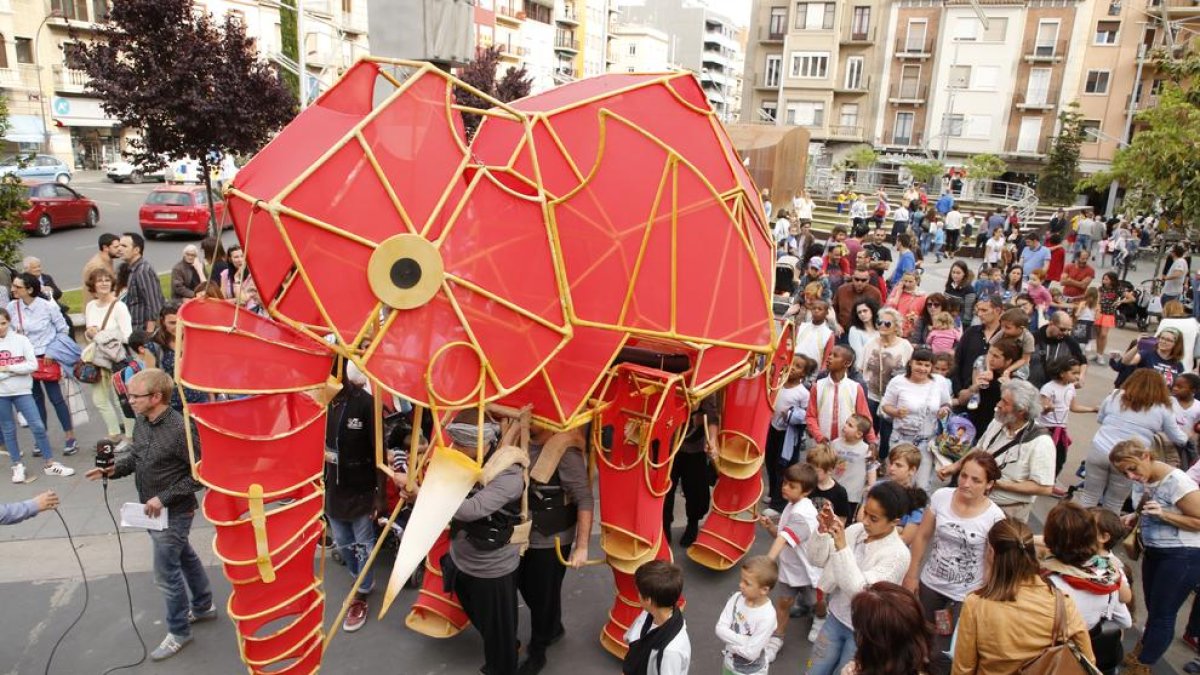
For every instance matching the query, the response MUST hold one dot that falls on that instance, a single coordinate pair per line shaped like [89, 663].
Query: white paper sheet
[133, 514]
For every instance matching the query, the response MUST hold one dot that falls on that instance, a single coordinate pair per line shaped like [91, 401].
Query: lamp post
[37, 54]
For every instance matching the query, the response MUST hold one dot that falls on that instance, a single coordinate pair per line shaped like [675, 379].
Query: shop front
[96, 139]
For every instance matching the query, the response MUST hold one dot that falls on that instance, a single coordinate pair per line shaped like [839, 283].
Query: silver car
[36, 167]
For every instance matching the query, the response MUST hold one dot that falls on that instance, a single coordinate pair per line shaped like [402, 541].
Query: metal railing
[845, 131]
[849, 35]
[510, 12]
[566, 42]
[907, 92]
[1036, 99]
[863, 84]
[772, 33]
[1039, 50]
[914, 47]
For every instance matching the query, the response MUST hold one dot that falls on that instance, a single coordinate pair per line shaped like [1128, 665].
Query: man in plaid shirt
[144, 296]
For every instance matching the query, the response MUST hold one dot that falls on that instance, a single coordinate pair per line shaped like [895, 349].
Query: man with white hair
[1024, 450]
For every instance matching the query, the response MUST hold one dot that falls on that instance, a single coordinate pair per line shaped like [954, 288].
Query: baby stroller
[1134, 306]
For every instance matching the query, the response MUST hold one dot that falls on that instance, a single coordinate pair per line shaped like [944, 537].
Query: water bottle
[973, 403]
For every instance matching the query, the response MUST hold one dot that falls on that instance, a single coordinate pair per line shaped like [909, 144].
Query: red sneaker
[356, 616]
[1193, 642]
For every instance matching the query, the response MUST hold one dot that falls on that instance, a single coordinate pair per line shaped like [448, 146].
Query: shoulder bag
[48, 369]
[1106, 639]
[1062, 657]
[1133, 545]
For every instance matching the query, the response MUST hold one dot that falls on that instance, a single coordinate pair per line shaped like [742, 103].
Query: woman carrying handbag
[40, 320]
[109, 326]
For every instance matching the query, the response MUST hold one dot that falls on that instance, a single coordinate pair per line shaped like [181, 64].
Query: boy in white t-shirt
[853, 452]
[797, 524]
[748, 619]
[658, 640]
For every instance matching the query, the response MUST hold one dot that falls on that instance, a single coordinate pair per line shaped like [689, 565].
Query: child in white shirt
[748, 619]
[853, 452]
[1058, 399]
[797, 524]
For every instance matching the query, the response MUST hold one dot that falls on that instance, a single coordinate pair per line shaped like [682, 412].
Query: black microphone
[105, 457]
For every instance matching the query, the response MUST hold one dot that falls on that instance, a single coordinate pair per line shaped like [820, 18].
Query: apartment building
[817, 65]
[49, 111]
[703, 41]
[557, 41]
[640, 49]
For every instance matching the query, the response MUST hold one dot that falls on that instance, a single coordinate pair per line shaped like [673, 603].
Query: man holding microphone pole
[158, 458]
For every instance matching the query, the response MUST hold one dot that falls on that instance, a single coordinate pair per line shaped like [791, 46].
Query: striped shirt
[159, 457]
[144, 296]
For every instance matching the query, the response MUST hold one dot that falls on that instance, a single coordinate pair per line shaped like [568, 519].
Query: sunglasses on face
[884, 324]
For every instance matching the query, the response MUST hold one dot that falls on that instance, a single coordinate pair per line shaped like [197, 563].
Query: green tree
[925, 171]
[861, 157]
[289, 43]
[1057, 183]
[1160, 168]
[985, 166]
[13, 203]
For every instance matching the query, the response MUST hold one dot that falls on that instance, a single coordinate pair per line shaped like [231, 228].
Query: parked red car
[178, 208]
[52, 206]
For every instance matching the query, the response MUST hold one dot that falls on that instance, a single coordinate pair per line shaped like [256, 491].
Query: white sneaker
[772, 648]
[18, 471]
[56, 469]
[815, 630]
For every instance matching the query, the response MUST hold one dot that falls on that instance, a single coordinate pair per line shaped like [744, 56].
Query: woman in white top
[883, 358]
[948, 553]
[862, 327]
[803, 206]
[915, 402]
[17, 363]
[1078, 567]
[868, 551]
[108, 319]
[1175, 316]
[1169, 506]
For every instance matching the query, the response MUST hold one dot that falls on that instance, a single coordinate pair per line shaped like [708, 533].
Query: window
[1047, 36]
[806, 113]
[985, 78]
[3, 53]
[966, 29]
[347, 6]
[1106, 32]
[537, 12]
[960, 77]
[99, 10]
[902, 132]
[1091, 131]
[631, 69]
[849, 116]
[70, 9]
[768, 111]
[854, 73]
[915, 40]
[1097, 82]
[810, 65]
[815, 15]
[774, 70]
[860, 25]
[1155, 86]
[910, 80]
[24, 50]
[953, 125]
[1114, 8]
[633, 49]
[996, 30]
[778, 25]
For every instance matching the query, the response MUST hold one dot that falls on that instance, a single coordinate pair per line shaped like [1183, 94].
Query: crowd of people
[916, 431]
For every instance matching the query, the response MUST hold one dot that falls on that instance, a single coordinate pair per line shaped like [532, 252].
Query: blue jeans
[8, 426]
[833, 649]
[1168, 577]
[178, 572]
[54, 391]
[355, 539]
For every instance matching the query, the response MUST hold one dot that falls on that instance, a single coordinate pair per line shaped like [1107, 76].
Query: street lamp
[37, 54]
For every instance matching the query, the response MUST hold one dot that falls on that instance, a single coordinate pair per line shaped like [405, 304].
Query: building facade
[640, 49]
[49, 109]
[557, 41]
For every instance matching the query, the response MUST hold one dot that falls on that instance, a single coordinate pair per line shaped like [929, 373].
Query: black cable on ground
[87, 591]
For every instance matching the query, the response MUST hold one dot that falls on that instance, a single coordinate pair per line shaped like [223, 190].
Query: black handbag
[1106, 641]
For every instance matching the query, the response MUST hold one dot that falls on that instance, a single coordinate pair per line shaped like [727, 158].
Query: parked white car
[121, 171]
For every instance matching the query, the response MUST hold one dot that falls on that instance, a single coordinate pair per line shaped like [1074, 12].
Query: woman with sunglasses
[1164, 356]
[884, 357]
[42, 322]
[935, 303]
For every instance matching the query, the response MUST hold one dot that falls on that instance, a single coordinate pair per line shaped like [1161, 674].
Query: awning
[85, 122]
[25, 129]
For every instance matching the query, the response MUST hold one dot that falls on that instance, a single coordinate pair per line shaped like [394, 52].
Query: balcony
[566, 43]
[846, 133]
[567, 16]
[914, 48]
[1036, 51]
[771, 34]
[1036, 100]
[1014, 147]
[10, 79]
[1148, 101]
[908, 94]
[69, 80]
[507, 14]
[761, 82]
[564, 74]
[509, 51]
[910, 140]
[861, 87]
[717, 57]
[715, 78]
[855, 38]
[718, 38]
